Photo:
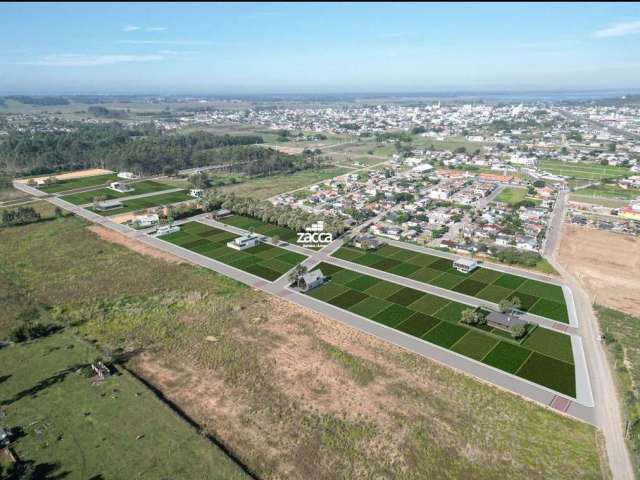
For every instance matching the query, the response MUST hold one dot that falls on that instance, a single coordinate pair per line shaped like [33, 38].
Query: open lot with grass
[258, 226]
[242, 363]
[608, 191]
[265, 261]
[512, 195]
[590, 171]
[82, 182]
[544, 356]
[149, 202]
[266, 187]
[140, 188]
[544, 299]
[114, 429]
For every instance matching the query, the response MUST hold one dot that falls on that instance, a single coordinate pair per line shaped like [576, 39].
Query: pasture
[264, 261]
[543, 356]
[536, 297]
[70, 428]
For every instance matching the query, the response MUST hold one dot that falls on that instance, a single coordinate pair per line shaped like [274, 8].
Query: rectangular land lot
[82, 182]
[140, 188]
[590, 171]
[544, 356]
[540, 298]
[261, 227]
[264, 260]
[149, 202]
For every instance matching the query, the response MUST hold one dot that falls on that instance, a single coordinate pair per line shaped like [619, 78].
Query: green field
[536, 297]
[148, 202]
[140, 188]
[258, 226]
[115, 429]
[608, 191]
[512, 195]
[590, 171]
[84, 182]
[544, 357]
[265, 261]
[266, 187]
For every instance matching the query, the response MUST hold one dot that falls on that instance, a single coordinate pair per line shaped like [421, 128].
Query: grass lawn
[484, 283]
[437, 320]
[266, 187]
[149, 202]
[609, 191]
[83, 182]
[265, 261]
[261, 227]
[140, 188]
[115, 429]
[590, 171]
[512, 195]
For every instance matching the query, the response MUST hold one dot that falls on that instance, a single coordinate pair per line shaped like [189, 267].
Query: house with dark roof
[505, 321]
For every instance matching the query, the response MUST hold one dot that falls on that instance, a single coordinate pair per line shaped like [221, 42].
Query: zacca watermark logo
[315, 236]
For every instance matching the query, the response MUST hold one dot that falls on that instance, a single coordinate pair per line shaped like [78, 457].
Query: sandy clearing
[67, 176]
[132, 244]
[606, 263]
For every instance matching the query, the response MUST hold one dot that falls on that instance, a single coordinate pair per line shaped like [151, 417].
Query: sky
[244, 48]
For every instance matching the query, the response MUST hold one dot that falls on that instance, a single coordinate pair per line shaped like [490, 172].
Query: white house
[146, 221]
[167, 229]
[107, 205]
[311, 280]
[465, 265]
[244, 242]
[127, 175]
[121, 187]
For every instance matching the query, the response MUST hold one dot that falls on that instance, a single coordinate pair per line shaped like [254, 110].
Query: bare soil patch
[131, 244]
[68, 176]
[606, 263]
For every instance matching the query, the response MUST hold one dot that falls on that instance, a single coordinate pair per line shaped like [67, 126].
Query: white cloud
[619, 29]
[155, 29]
[130, 28]
[83, 60]
[166, 42]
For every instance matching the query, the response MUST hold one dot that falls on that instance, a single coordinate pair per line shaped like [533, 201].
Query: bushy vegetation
[621, 334]
[513, 256]
[19, 216]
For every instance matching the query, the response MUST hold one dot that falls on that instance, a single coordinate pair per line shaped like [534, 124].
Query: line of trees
[144, 148]
[283, 216]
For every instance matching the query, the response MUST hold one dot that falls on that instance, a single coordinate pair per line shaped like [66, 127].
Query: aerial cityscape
[238, 243]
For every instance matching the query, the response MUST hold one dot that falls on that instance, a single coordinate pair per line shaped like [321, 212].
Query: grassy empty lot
[536, 297]
[261, 227]
[265, 261]
[590, 171]
[149, 202]
[252, 371]
[115, 429]
[608, 191]
[544, 357]
[266, 187]
[512, 195]
[146, 186]
[83, 182]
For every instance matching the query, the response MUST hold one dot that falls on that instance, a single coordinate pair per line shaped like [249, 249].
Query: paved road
[555, 225]
[608, 413]
[484, 372]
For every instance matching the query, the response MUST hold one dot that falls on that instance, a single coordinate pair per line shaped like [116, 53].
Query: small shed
[311, 280]
[108, 205]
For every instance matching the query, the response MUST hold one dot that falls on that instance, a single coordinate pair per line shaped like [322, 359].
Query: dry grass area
[69, 176]
[292, 393]
[116, 237]
[606, 263]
